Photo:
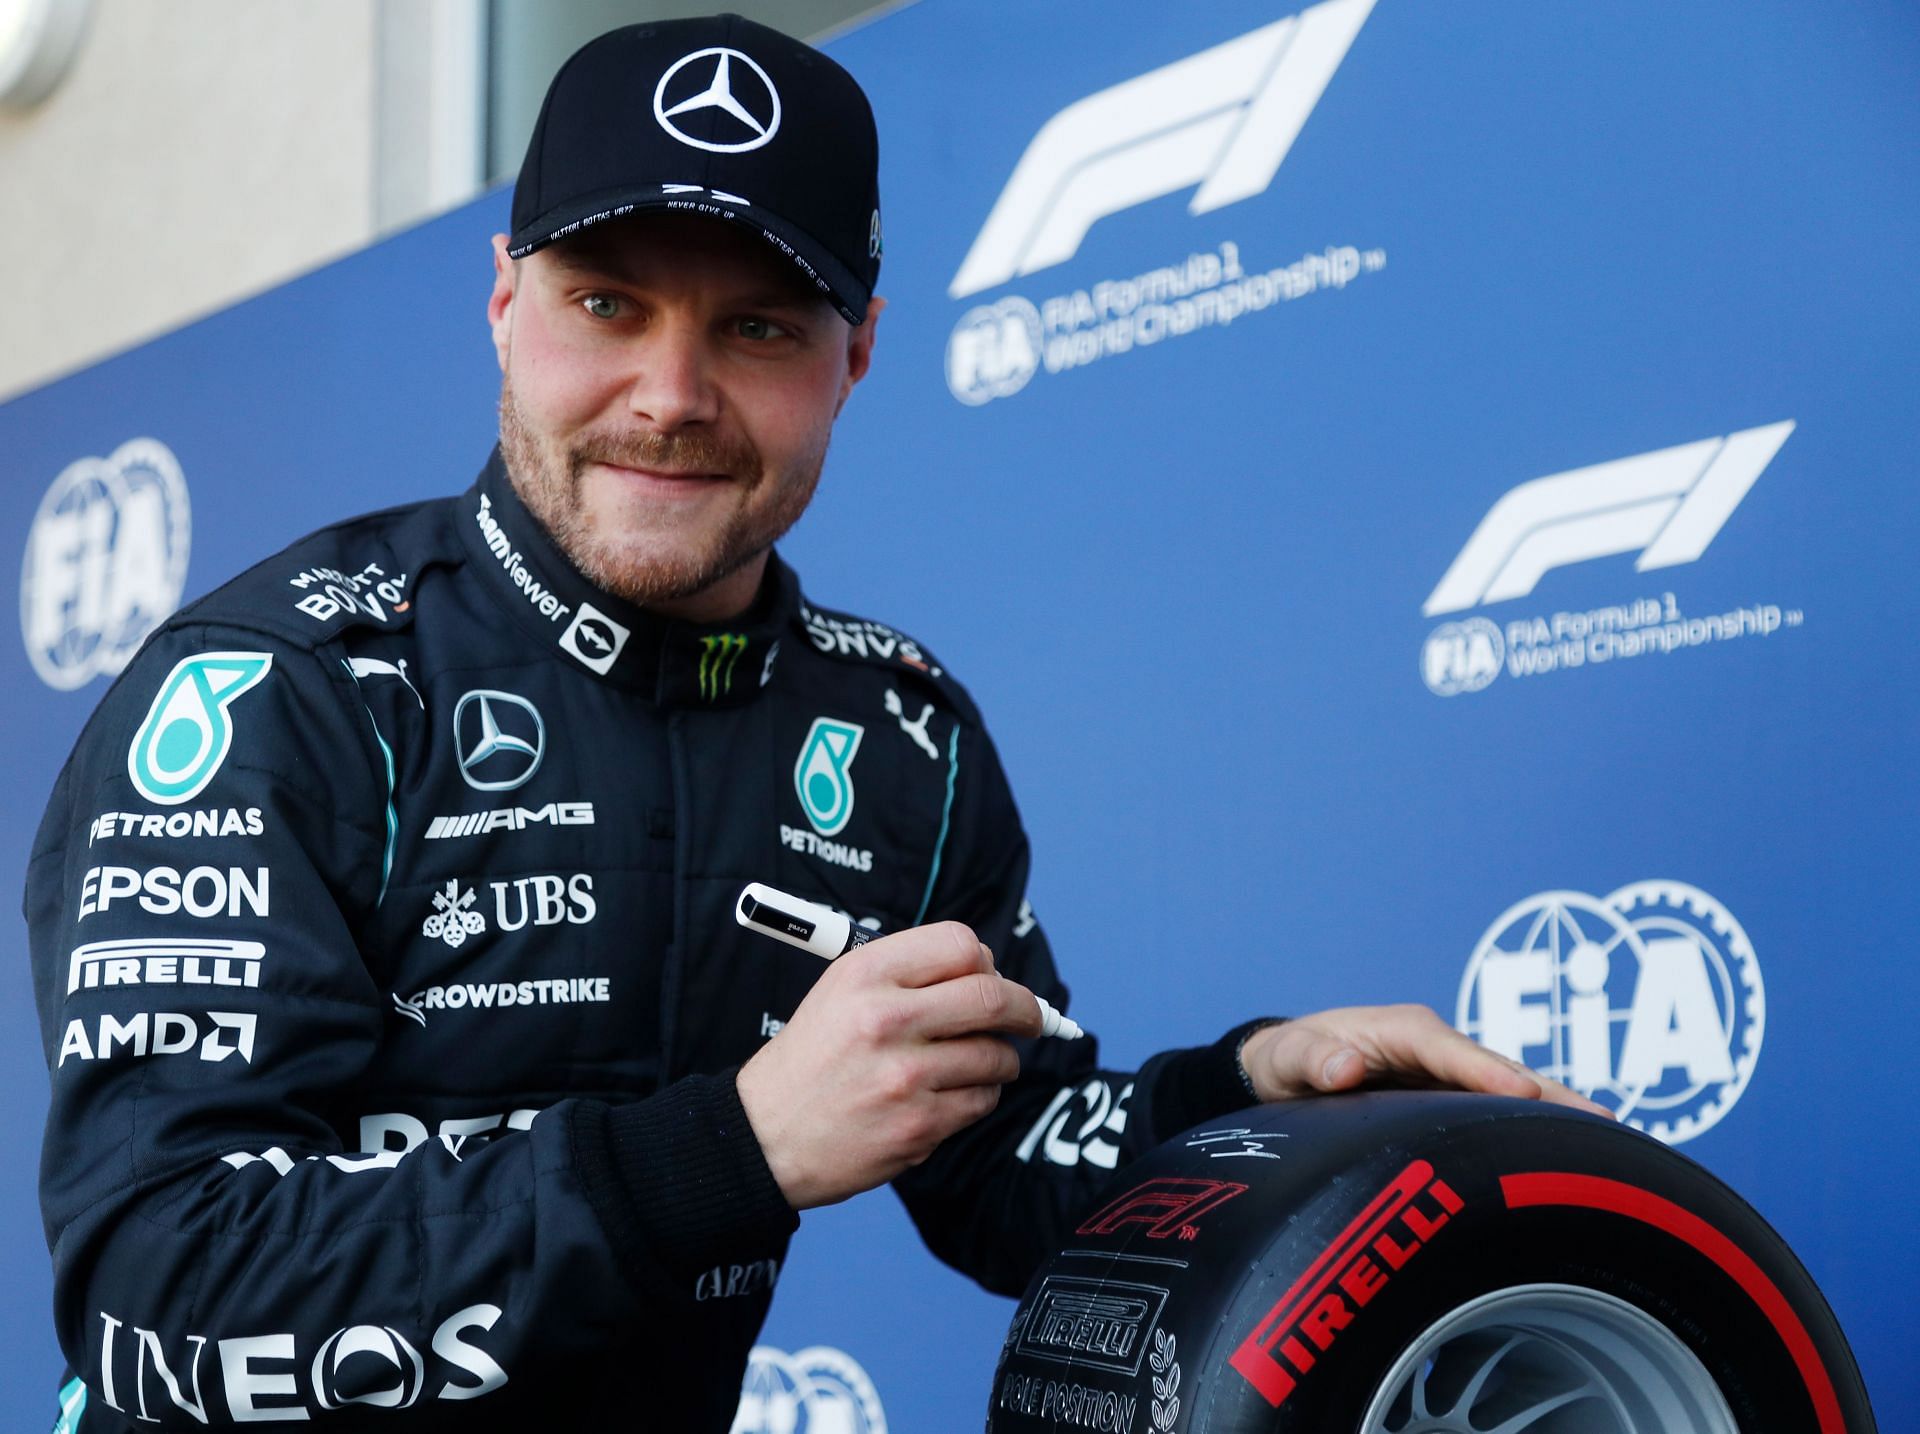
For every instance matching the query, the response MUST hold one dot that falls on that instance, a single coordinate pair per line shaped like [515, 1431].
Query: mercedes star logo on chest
[500, 739]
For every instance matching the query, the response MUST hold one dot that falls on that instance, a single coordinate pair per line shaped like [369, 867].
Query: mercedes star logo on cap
[737, 109]
[496, 758]
[720, 93]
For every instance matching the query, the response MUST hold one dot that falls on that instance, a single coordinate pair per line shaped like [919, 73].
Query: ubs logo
[500, 739]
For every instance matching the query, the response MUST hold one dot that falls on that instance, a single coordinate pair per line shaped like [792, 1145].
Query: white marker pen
[828, 934]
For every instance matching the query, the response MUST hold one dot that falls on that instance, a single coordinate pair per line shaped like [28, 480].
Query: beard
[661, 554]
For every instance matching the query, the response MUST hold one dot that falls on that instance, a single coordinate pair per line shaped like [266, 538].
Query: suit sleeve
[1002, 1196]
[210, 856]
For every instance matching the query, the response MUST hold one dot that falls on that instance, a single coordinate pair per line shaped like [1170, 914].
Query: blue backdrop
[1279, 448]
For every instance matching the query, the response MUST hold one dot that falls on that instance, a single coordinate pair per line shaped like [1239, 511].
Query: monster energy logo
[719, 655]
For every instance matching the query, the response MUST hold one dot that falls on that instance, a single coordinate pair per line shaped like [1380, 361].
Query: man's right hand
[897, 1047]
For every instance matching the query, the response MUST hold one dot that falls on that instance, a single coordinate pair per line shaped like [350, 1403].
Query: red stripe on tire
[1592, 1192]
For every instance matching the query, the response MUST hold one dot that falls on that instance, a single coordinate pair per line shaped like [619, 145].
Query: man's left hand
[1374, 1046]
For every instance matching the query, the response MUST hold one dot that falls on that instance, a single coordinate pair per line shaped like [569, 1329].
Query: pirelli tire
[1423, 1263]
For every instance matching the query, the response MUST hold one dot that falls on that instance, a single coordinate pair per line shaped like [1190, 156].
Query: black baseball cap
[717, 116]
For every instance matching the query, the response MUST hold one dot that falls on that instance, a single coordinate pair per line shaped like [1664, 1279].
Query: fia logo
[187, 734]
[994, 350]
[1223, 120]
[1648, 1000]
[106, 562]
[818, 1390]
[1461, 656]
[822, 775]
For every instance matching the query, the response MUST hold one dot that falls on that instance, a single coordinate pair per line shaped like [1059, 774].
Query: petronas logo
[821, 776]
[719, 655]
[187, 735]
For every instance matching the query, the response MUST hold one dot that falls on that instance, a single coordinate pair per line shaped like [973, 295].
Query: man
[404, 1050]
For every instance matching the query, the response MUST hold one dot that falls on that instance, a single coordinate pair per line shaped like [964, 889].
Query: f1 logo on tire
[1436, 1260]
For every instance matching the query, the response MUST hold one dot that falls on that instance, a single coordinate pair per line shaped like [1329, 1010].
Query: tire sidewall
[1485, 1246]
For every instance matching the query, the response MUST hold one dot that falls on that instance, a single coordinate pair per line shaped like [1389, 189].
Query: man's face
[668, 389]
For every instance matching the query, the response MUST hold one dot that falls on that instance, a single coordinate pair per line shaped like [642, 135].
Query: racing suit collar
[671, 662]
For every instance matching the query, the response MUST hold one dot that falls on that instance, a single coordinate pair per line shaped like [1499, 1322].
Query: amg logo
[1088, 1322]
[512, 819]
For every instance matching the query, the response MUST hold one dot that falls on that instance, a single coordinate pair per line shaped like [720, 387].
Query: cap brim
[809, 257]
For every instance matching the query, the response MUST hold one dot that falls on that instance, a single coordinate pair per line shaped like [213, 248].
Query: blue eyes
[756, 330]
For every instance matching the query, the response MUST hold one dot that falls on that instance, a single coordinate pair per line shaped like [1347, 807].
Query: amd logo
[162, 1033]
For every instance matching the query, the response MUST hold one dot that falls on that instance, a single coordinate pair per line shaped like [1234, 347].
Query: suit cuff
[678, 1180]
[1205, 1082]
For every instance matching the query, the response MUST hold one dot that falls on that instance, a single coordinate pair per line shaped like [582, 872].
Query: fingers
[925, 955]
[1430, 1046]
[971, 1061]
[980, 1001]
[1312, 1059]
[1396, 1045]
[1557, 1094]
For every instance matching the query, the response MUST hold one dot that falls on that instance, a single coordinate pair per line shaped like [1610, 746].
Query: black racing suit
[382, 939]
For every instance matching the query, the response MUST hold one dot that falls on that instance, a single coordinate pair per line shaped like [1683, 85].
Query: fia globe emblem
[1461, 656]
[818, 1390]
[187, 734]
[993, 350]
[823, 777]
[1648, 1000]
[106, 562]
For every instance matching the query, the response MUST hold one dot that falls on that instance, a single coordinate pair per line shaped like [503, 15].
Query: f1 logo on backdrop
[1647, 1000]
[1666, 505]
[1223, 119]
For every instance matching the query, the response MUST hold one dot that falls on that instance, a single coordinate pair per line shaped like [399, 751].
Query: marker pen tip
[1052, 1023]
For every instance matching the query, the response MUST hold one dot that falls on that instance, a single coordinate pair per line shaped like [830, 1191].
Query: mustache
[670, 452]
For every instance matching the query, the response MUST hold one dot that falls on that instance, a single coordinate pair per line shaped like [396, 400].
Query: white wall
[202, 150]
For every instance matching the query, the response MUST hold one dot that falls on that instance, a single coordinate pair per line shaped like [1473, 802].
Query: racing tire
[1424, 1263]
